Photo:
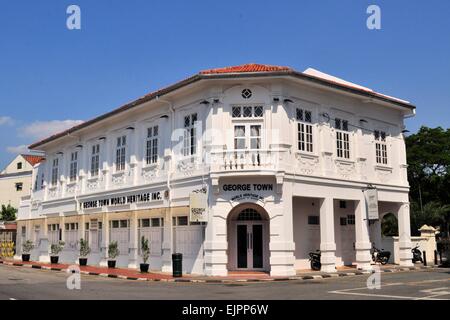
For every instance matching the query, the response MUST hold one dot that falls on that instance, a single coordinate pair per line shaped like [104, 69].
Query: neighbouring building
[284, 161]
[15, 179]
[7, 231]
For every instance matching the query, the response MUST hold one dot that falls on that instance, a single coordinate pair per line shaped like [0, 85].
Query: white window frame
[381, 147]
[305, 130]
[248, 138]
[343, 143]
[73, 168]
[190, 134]
[95, 160]
[152, 145]
[121, 153]
[243, 108]
[55, 172]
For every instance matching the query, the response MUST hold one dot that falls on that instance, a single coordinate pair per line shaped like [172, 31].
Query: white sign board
[198, 206]
[371, 196]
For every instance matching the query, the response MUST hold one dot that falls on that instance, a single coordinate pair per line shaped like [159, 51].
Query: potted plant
[145, 254]
[55, 249]
[113, 252]
[27, 246]
[84, 251]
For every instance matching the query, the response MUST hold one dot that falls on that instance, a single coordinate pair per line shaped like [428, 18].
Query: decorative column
[134, 242]
[216, 244]
[327, 241]
[404, 234]
[375, 233]
[108, 163]
[282, 246]
[44, 244]
[82, 228]
[105, 240]
[167, 242]
[362, 244]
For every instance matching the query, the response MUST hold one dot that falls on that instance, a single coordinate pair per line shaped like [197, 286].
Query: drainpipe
[167, 251]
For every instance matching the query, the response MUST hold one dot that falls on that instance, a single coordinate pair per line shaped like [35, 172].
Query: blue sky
[50, 77]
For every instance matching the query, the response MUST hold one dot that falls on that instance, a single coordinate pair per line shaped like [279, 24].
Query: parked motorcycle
[380, 256]
[314, 257]
[417, 255]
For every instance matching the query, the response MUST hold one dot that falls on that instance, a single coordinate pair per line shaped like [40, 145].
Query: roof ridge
[246, 68]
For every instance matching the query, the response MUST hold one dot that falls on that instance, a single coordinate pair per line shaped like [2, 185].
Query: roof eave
[233, 75]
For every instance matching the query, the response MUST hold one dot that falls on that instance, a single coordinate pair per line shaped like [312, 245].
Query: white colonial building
[285, 158]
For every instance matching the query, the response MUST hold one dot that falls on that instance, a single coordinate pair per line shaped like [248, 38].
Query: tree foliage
[8, 213]
[428, 153]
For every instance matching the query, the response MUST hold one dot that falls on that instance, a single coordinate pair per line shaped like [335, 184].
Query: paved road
[23, 283]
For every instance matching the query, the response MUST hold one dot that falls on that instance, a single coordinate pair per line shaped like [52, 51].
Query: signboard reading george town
[117, 201]
[248, 187]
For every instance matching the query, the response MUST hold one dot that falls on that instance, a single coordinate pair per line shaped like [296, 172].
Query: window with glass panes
[55, 166]
[73, 166]
[304, 130]
[342, 138]
[120, 153]
[152, 145]
[95, 160]
[180, 221]
[247, 136]
[381, 147]
[247, 111]
[190, 135]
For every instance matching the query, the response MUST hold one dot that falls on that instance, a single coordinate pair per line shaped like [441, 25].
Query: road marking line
[429, 291]
[436, 289]
[364, 288]
[432, 297]
[372, 295]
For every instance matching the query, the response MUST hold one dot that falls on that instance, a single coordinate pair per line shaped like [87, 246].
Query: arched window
[249, 215]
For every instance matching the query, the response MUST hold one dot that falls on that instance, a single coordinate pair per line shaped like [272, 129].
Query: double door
[250, 247]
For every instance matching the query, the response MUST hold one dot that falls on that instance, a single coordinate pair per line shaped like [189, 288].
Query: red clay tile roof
[8, 225]
[32, 159]
[251, 67]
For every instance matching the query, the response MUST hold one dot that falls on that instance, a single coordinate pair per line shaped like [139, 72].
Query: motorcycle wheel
[384, 260]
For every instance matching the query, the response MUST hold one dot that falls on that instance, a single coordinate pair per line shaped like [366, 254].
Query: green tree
[389, 225]
[8, 213]
[428, 153]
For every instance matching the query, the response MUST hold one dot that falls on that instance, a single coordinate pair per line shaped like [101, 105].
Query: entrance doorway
[248, 241]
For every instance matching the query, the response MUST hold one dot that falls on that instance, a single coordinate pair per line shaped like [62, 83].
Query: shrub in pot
[145, 254]
[55, 249]
[84, 252]
[27, 246]
[113, 252]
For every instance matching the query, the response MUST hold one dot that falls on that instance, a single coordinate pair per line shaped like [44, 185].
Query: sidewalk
[245, 276]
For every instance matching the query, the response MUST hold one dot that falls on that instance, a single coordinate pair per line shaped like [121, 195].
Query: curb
[216, 281]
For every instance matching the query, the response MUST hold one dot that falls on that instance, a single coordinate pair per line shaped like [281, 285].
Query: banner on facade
[198, 206]
[371, 196]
